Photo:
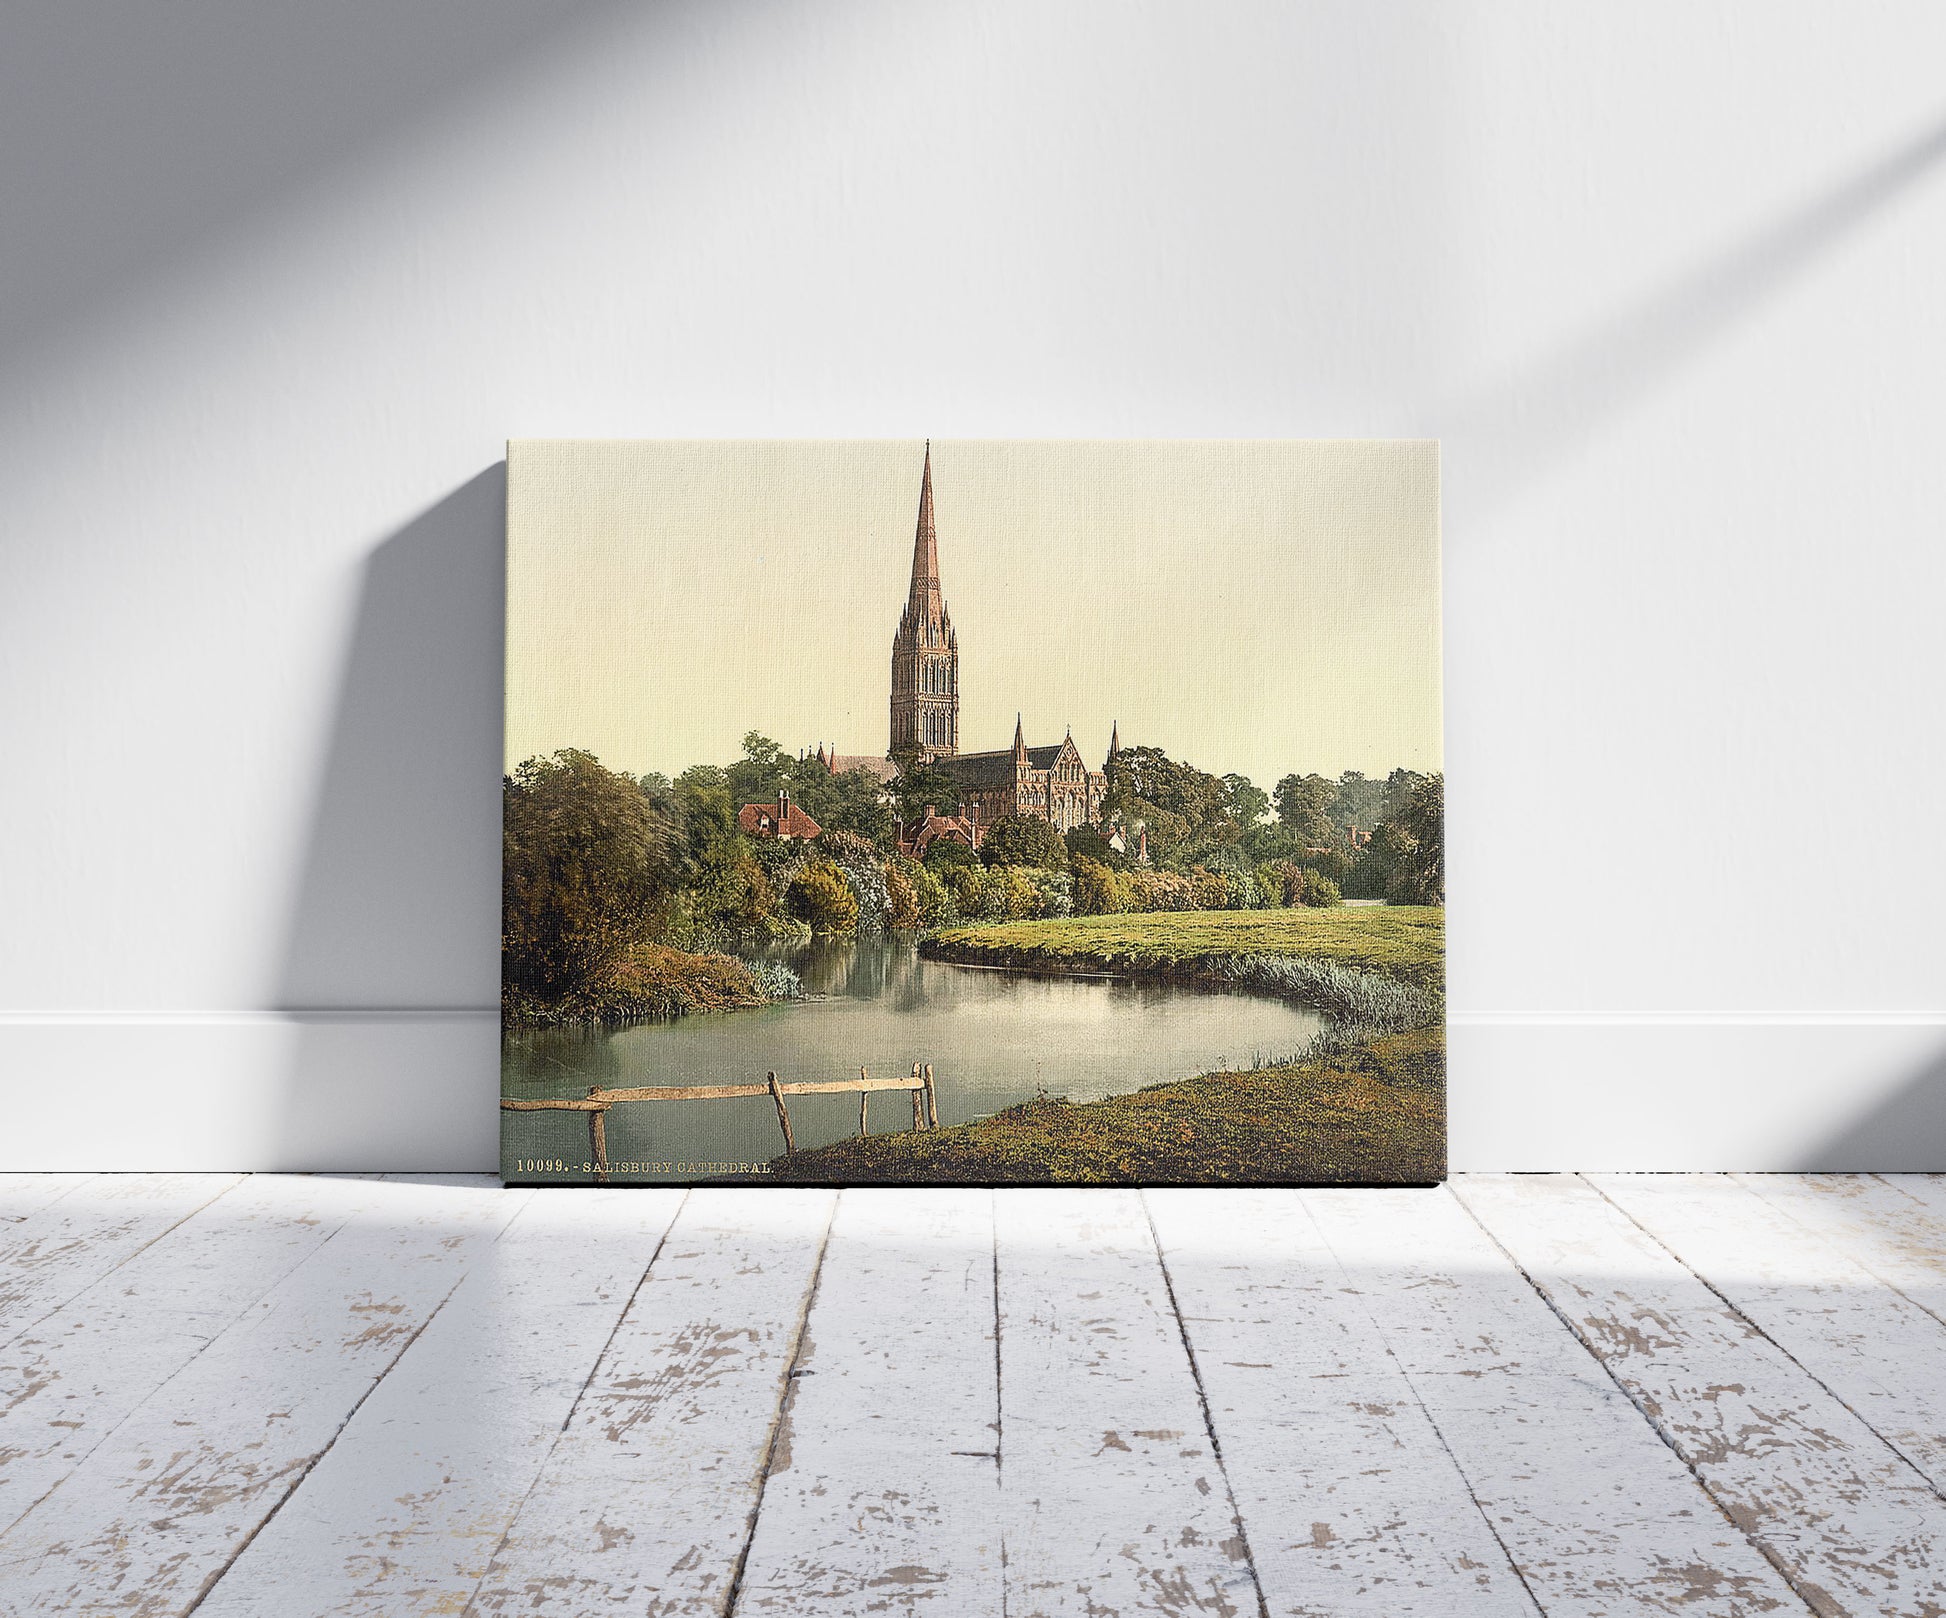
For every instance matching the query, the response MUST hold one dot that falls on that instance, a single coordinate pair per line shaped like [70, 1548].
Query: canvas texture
[973, 812]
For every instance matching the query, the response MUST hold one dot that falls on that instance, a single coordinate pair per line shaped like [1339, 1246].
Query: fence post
[932, 1101]
[598, 1143]
[783, 1115]
[863, 1097]
[918, 1105]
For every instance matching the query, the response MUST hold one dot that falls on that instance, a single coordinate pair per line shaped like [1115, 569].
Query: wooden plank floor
[1521, 1395]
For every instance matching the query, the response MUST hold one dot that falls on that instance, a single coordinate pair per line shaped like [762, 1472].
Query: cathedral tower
[925, 651]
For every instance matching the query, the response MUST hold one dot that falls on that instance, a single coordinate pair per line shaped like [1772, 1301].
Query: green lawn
[1374, 1114]
[1406, 942]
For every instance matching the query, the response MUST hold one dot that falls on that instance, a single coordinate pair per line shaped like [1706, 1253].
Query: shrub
[1209, 889]
[1317, 890]
[821, 895]
[1333, 863]
[1099, 890]
[947, 852]
[733, 896]
[1163, 890]
[1021, 895]
[1053, 890]
[650, 980]
[902, 898]
[967, 884]
[936, 906]
[774, 980]
[847, 848]
[864, 872]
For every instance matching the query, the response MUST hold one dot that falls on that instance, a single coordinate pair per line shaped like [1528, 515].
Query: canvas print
[973, 812]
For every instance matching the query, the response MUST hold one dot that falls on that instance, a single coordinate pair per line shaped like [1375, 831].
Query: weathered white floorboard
[1857, 1529]
[65, 1245]
[645, 1504]
[72, 1378]
[1113, 1500]
[157, 1510]
[1599, 1516]
[326, 1396]
[883, 1494]
[404, 1512]
[21, 1194]
[1894, 1224]
[1350, 1501]
[1877, 1351]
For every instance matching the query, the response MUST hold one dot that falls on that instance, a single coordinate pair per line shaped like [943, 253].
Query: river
[993, 1038]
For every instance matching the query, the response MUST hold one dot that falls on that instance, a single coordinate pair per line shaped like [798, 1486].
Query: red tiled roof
[760, 820]
[920, 835]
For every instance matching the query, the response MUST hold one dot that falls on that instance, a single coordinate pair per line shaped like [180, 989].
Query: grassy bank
[1371, 1113]
[651, 981]
[1406, 943]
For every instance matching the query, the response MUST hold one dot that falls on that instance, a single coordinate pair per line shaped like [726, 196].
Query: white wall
[279, 282]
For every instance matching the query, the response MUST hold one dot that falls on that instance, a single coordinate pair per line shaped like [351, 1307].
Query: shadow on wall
[1516, 432]
[175, 125]
[1905, 1133]
[391, 965]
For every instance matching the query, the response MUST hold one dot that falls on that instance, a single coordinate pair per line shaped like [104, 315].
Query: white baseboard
[251, 1090]
[1728, 1091]
[400, 1090]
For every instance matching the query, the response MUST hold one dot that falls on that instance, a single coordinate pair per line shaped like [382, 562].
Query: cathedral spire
[925, 539]
[925, 651]
[1114, 739]
[1020, 742]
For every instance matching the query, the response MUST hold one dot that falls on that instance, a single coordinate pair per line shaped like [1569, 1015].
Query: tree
[1270, 840]
[702, 801]
[821, 897]
[1023, 840]
[921, 784]
[588, 866]
[1418, 836]
[731, 893]
[1248, 803]
[1086, 842]
[756, 776]
[1174, 800]
[857, 804]
[1301, 804]
[1358, 802]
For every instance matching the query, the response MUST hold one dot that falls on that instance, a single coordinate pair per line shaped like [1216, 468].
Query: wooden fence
[925, 1103]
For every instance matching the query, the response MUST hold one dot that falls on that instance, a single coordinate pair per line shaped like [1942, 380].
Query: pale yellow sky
[1253, 606]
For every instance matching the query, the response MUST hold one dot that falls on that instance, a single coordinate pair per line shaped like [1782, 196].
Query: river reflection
[994, 1038]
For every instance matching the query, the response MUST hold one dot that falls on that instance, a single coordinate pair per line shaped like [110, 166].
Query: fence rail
[925, 1103]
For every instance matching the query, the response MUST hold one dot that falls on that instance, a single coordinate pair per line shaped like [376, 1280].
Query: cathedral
[1047, 783]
